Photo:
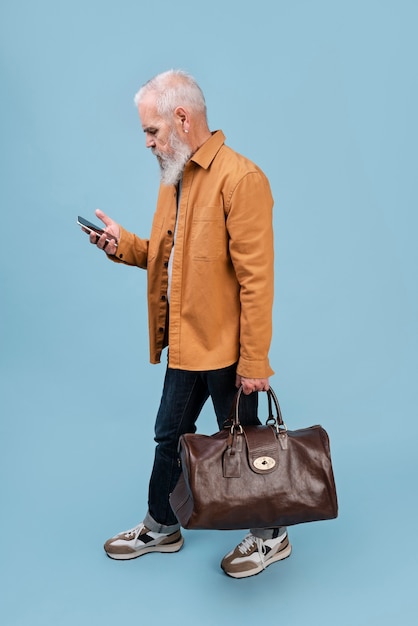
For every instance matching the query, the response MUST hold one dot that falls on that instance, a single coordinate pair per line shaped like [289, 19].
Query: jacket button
[163, 298]
[121, 256]
[169, 232]
[161, 329]
[165, 263]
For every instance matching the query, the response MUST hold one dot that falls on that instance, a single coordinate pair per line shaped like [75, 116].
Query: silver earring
[185, 130]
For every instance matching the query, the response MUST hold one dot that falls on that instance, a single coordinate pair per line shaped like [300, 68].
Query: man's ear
[181, 114]
[182, 118]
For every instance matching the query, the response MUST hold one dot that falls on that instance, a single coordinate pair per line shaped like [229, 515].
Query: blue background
[323, 96]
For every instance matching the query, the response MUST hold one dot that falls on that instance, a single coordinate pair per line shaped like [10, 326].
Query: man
[209, 263]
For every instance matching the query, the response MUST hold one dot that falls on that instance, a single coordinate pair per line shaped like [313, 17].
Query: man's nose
[149, 141]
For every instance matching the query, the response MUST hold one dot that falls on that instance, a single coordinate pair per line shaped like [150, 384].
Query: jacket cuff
[254, 369]
[131, 249]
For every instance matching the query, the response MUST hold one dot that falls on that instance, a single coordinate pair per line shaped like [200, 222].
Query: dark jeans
[183, 397]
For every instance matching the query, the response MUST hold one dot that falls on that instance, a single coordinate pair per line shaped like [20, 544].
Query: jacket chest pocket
[208, 233]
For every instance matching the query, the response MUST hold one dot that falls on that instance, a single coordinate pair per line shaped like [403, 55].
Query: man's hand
[112, 229]
[252, 384]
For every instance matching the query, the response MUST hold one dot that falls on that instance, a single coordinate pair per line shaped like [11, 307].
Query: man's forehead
[149, 99]
[148, 111]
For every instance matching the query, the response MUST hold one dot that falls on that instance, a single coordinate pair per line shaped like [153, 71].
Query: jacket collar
[206, 153]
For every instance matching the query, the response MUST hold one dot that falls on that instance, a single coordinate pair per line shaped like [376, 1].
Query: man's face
[166, 144]
[157, 130]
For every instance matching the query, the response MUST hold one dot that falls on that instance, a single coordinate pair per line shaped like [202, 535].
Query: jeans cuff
[155, 527]
[268, 533]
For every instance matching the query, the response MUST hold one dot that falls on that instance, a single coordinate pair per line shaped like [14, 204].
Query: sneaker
[140, 540]
[253, 555]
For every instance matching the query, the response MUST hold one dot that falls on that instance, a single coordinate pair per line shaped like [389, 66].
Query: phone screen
[81, 221]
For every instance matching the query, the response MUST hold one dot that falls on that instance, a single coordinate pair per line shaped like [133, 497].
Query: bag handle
[275, 421]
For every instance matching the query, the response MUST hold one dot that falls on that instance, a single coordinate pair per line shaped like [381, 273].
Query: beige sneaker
[140, 540]
[253, 555]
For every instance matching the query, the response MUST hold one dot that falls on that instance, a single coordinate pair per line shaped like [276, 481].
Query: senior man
[209, 263]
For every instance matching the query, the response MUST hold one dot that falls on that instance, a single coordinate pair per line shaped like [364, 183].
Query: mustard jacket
[221, 297]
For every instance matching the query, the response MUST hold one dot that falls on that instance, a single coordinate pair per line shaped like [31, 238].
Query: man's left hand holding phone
[105, 239]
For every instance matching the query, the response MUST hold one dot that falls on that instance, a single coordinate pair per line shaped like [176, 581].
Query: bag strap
[273, 420]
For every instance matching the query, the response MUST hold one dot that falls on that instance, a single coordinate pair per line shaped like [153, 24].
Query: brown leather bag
[255, 476]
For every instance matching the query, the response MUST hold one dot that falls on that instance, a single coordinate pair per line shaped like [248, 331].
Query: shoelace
[248, 542]
[133, 531]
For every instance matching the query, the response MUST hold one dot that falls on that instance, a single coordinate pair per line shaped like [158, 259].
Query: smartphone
[81, 221]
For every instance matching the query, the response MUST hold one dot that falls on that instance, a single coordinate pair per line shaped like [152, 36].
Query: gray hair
[172, 89]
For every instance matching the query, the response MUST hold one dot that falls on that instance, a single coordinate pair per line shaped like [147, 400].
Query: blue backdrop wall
[323, 96]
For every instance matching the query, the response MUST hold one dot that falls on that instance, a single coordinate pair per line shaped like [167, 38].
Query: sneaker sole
[167, 547]
[280, 556]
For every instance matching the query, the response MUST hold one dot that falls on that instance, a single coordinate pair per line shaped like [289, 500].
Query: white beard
[172, 166]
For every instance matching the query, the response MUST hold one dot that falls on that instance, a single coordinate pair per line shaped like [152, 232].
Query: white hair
[172, 89]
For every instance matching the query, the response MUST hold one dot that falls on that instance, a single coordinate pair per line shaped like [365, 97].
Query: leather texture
[255, 476]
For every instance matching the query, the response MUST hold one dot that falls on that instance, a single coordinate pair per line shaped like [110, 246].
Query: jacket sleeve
[250, 229]
[132, 250]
